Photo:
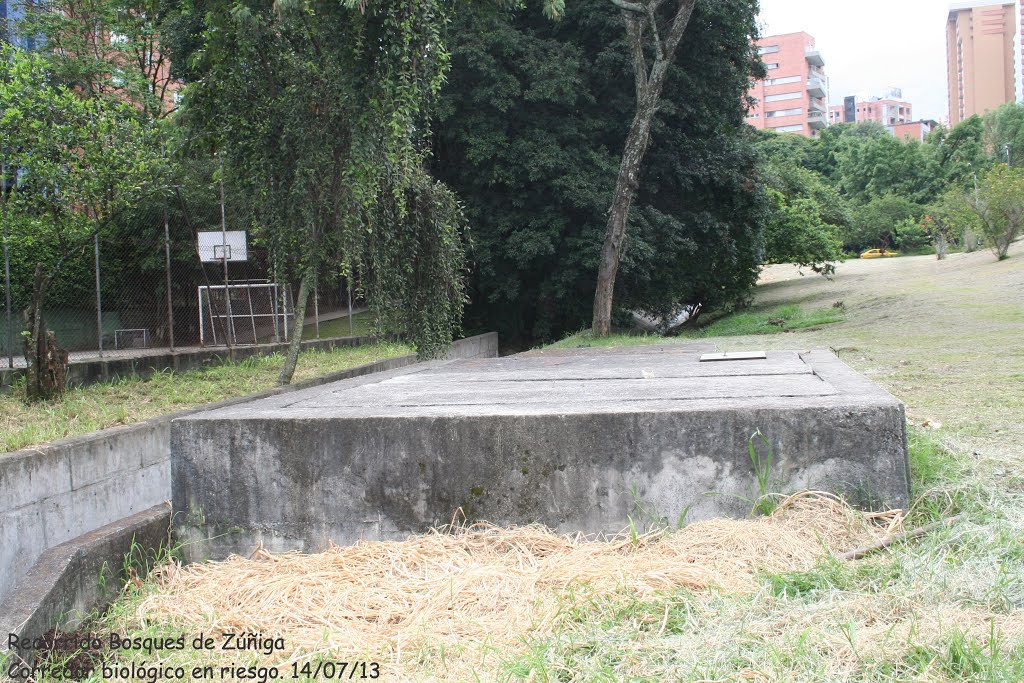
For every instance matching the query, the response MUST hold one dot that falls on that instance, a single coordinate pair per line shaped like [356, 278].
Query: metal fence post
[99, 299]
[348, 286]
[167, 260]
[230, 333]
[316, 306]
[7, 292]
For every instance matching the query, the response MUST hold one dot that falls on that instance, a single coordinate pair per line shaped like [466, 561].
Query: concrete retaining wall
[73, 578]
[55, 492]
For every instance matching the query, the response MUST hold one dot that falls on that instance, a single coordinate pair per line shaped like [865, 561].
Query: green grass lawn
[130, 400]
[362, 325]
[754, 321]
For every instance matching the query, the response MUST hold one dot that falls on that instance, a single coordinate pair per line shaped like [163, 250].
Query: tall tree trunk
[640, 18]
[615, 232]
[295, 344]
[46, 372]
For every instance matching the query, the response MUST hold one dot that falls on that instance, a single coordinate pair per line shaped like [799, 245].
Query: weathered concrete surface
[578, 440]
[70, 580]
[52, 493]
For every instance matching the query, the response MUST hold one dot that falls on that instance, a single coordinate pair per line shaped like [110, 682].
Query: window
[767, 49]
[783, 80]
[771, 66]
[783, 112]
[789, 129]
[782, 96]
[118, 38]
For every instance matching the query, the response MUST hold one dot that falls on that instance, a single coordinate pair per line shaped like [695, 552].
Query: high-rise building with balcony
[980, 57]
[793, 97]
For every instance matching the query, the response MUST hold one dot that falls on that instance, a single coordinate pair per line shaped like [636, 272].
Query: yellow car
[879, 253]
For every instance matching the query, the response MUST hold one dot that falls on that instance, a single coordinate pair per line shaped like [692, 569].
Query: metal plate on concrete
[733, 355]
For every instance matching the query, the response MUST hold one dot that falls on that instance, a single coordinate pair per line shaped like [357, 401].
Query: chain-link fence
[170, 274]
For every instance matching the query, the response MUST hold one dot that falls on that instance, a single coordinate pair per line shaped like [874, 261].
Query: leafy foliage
[1004, 133]
[875, 222]
[950, 219]
[70, 164]
[319, 111]
[911, 235]
[807, 215]
[530, 127]
[874, 165]
[796, 233]
[960, 152]
[999, 204]
[108, 48]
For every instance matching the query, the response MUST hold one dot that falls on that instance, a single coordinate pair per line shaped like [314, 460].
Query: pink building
[915, 130]
[793, 98]
[889, 110]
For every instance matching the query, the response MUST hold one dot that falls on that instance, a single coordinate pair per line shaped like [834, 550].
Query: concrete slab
[579, 440]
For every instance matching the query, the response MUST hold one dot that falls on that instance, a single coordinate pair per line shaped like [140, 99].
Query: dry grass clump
[480, 583]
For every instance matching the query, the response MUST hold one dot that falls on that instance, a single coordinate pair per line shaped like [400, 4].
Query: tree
[960, 152]
[797, 233]
[529, 134]
[1004, 133]
[879, 164]
[950, 220]
[319, 113]
[108, 47]
[999, 204]
[874, 223]
[643, 27]
[69, 165]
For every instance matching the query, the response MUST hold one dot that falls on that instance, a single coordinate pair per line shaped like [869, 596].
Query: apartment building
[888, 109]
[793, 98]
[913, 130]
[980, 57]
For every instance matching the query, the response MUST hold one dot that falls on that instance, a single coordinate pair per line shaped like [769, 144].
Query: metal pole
[277, 322]
[7, 290]
[99, 299]
[202, 336]
[167, 259]
[316, 309]
[285, 298]
[252, 313]
[348, 286]
[224, 255]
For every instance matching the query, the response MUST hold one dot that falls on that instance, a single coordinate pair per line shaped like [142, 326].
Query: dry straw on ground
[479, 583]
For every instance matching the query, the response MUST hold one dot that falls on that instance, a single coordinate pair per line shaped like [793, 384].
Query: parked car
[879, 253]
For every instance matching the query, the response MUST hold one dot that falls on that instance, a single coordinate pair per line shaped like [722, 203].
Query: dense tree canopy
[529, 132]
[1004, 133]
[69, 164]
[318, 111]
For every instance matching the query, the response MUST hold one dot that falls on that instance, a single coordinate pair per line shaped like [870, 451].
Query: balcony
[816, 87]
[817, 119]
[814, 57]
[817, 105]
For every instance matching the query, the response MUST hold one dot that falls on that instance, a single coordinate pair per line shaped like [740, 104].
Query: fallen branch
[858, 553]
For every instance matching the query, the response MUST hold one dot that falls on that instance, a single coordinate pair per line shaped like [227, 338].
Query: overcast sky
[870, 45]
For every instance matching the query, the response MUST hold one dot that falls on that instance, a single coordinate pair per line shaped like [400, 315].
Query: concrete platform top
[587, 380]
